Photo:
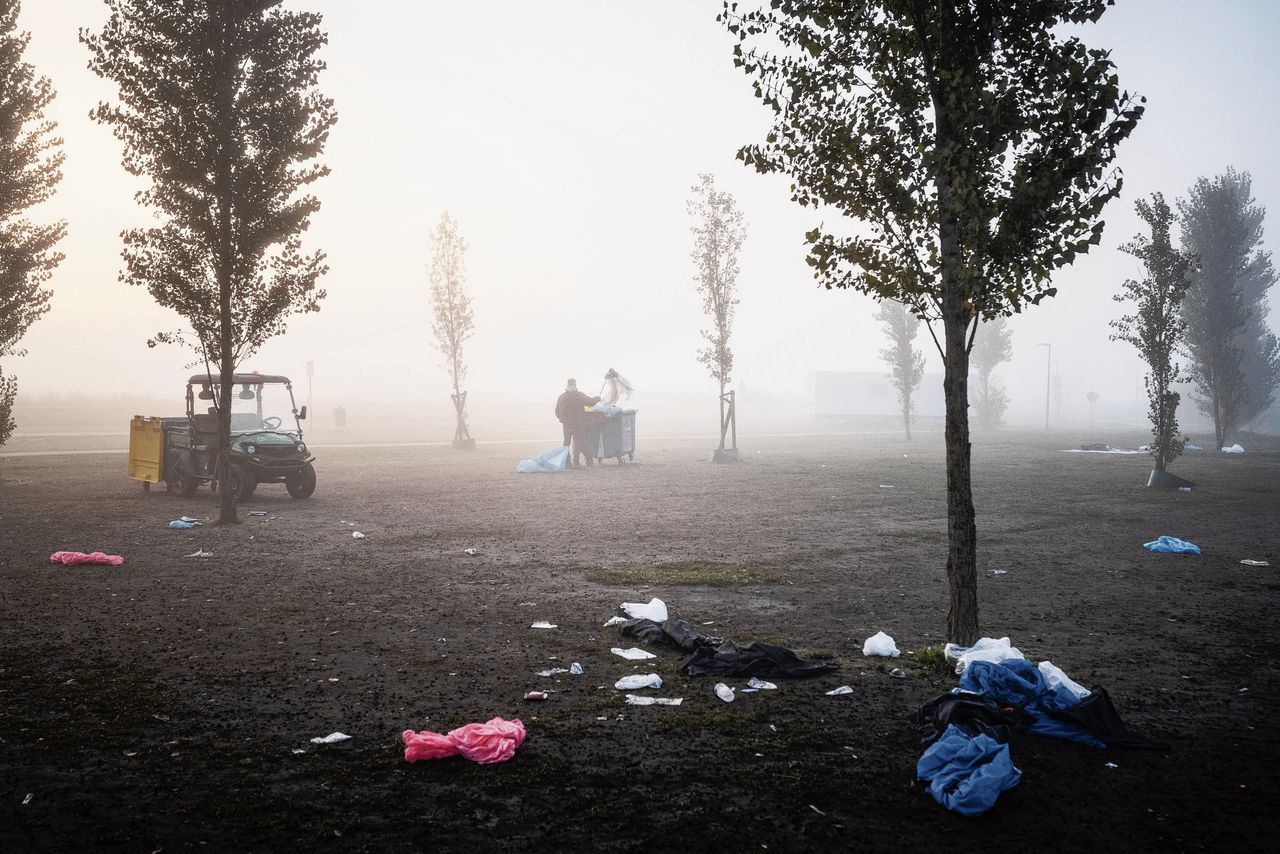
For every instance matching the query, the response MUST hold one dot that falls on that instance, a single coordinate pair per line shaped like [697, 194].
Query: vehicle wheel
[243, 483]
[302, 484]
[180, 481]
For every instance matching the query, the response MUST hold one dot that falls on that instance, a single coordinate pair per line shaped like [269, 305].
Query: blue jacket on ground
[967, 775]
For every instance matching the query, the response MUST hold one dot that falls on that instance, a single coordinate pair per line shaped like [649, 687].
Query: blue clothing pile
[1172, 545]
[1018, 683]
[967, 774]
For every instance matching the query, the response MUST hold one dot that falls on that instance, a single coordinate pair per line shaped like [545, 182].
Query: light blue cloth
[552, 460]
[178, 523]
[967, 775]
[1172, 545]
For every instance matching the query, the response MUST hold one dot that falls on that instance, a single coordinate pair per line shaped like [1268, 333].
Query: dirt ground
[164, 704]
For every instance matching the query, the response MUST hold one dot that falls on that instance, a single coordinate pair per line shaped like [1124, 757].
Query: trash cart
[610, 436]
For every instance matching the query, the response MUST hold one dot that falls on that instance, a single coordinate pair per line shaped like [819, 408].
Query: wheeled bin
[610, 436]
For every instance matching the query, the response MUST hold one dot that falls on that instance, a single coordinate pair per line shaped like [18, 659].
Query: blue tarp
[1172, 545]
[967, 775]
[1020, 684]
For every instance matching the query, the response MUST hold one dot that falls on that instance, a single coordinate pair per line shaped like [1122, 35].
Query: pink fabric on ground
[73, 558]
[493, 741]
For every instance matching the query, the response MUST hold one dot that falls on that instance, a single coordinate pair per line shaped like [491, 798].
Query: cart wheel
[304, 484]
[181, 482]
[243, 483]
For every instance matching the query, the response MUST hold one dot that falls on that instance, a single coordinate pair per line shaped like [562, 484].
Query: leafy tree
[906, 364]
[30, 168]
[992, 347]
[1235, 360]
[971, 141]
[718, 232]
[1156, 326]
[453, 319]
[219, 109]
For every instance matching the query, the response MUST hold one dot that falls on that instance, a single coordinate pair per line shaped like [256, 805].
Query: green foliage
[218, 109]
[1234, 357]
[718, 233]
[992, 347]
[906, 365]
[932, 659]
[31, 160]
[1156, 327]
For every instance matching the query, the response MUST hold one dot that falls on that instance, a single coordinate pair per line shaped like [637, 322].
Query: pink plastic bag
[486, 743]
[73, 558]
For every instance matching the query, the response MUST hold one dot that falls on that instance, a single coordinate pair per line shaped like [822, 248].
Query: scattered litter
[615, 621]
[356, 535]
[1234, 449]
[898, 673]
[709, 623]
[1194, 448]
[28, 798]
[1243, 691]
[331, 738]
[748, 690]
[1101, 448]
[1184, 489]
[536, 695]
[886, 486]
[815, 809]
[880, 644]
[575, 669]
[551, 672]
[493, 741]
[636, 700]
[200, 553]
[999, 572]
[543, 624]
[182, 523]
[131, 753]
[1248, 562]
[724, 692]
[76, 558]
[472, 552]
[760, 684]
[843, 689]
[296, 751]
[1172, 545]
[192, 519]
[1112, 765]
[632, 654]
[656, 610]
[257, 512]
[638, 680]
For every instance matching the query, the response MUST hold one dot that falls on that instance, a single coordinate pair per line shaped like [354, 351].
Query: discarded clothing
[685, 636]
[970, 713]
[1020, 684]
[1172, 545]
[754, 659]
[967, 775]
[182, 523]
[644, 630]
[1096, 714]
[493, 741]
[1054, 677]
[76, 558]
[552, 460]
[880, 644]
[986, 649]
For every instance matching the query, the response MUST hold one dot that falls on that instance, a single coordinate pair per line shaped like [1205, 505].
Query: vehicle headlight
[302, 449]
[251, 449]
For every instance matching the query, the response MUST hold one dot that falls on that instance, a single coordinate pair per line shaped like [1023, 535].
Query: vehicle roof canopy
[238, 379]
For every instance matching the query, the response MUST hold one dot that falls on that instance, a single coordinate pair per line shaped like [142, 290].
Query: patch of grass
[687, 572]
[932, 660]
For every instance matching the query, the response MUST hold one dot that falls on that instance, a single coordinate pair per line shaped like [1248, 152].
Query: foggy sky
[564, 137]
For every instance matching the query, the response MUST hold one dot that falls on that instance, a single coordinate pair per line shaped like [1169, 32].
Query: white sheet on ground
[1234, 449]
[1053, 676]
[986, 649]
[548, 461]
[635, 653]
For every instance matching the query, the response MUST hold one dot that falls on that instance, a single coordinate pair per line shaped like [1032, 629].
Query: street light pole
[1048, 363]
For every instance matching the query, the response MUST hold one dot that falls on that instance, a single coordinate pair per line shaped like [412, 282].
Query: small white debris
[815, 809]
[543, 624]
[331, 738]
[356, 535]
[632, 654]
[28, 798]
[575, 669]
[843, 689]
[636, 700]
[551, 671]
[761, 685]
[1112, 765]
[201, 553]
[472, 552]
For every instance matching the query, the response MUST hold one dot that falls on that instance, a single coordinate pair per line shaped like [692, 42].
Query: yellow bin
[146, 449]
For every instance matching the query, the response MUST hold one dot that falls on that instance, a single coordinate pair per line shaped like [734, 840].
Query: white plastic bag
[880, 644]
[637, 681]
[635, 653]
[656, 610]
[994, 650]
[1053, 677]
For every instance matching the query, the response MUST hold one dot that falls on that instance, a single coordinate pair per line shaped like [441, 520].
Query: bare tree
[718, 232]
[453, 318]
[992, 347]
[906, 365]
[218, 108]
[1156, 325]
[30, 168]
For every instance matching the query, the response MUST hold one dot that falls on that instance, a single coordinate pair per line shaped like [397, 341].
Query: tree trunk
[722, 416]
[906, 421]
[226, 192]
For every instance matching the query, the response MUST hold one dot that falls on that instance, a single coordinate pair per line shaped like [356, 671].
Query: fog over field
[565, 142]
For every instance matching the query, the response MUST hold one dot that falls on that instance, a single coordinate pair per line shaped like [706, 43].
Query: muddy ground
[161, 705]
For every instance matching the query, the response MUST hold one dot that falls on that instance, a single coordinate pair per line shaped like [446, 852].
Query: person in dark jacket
[571, 412]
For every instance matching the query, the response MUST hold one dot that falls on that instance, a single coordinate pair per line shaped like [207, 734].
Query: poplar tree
[218, 108]
[906, 364]
[451, 307]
